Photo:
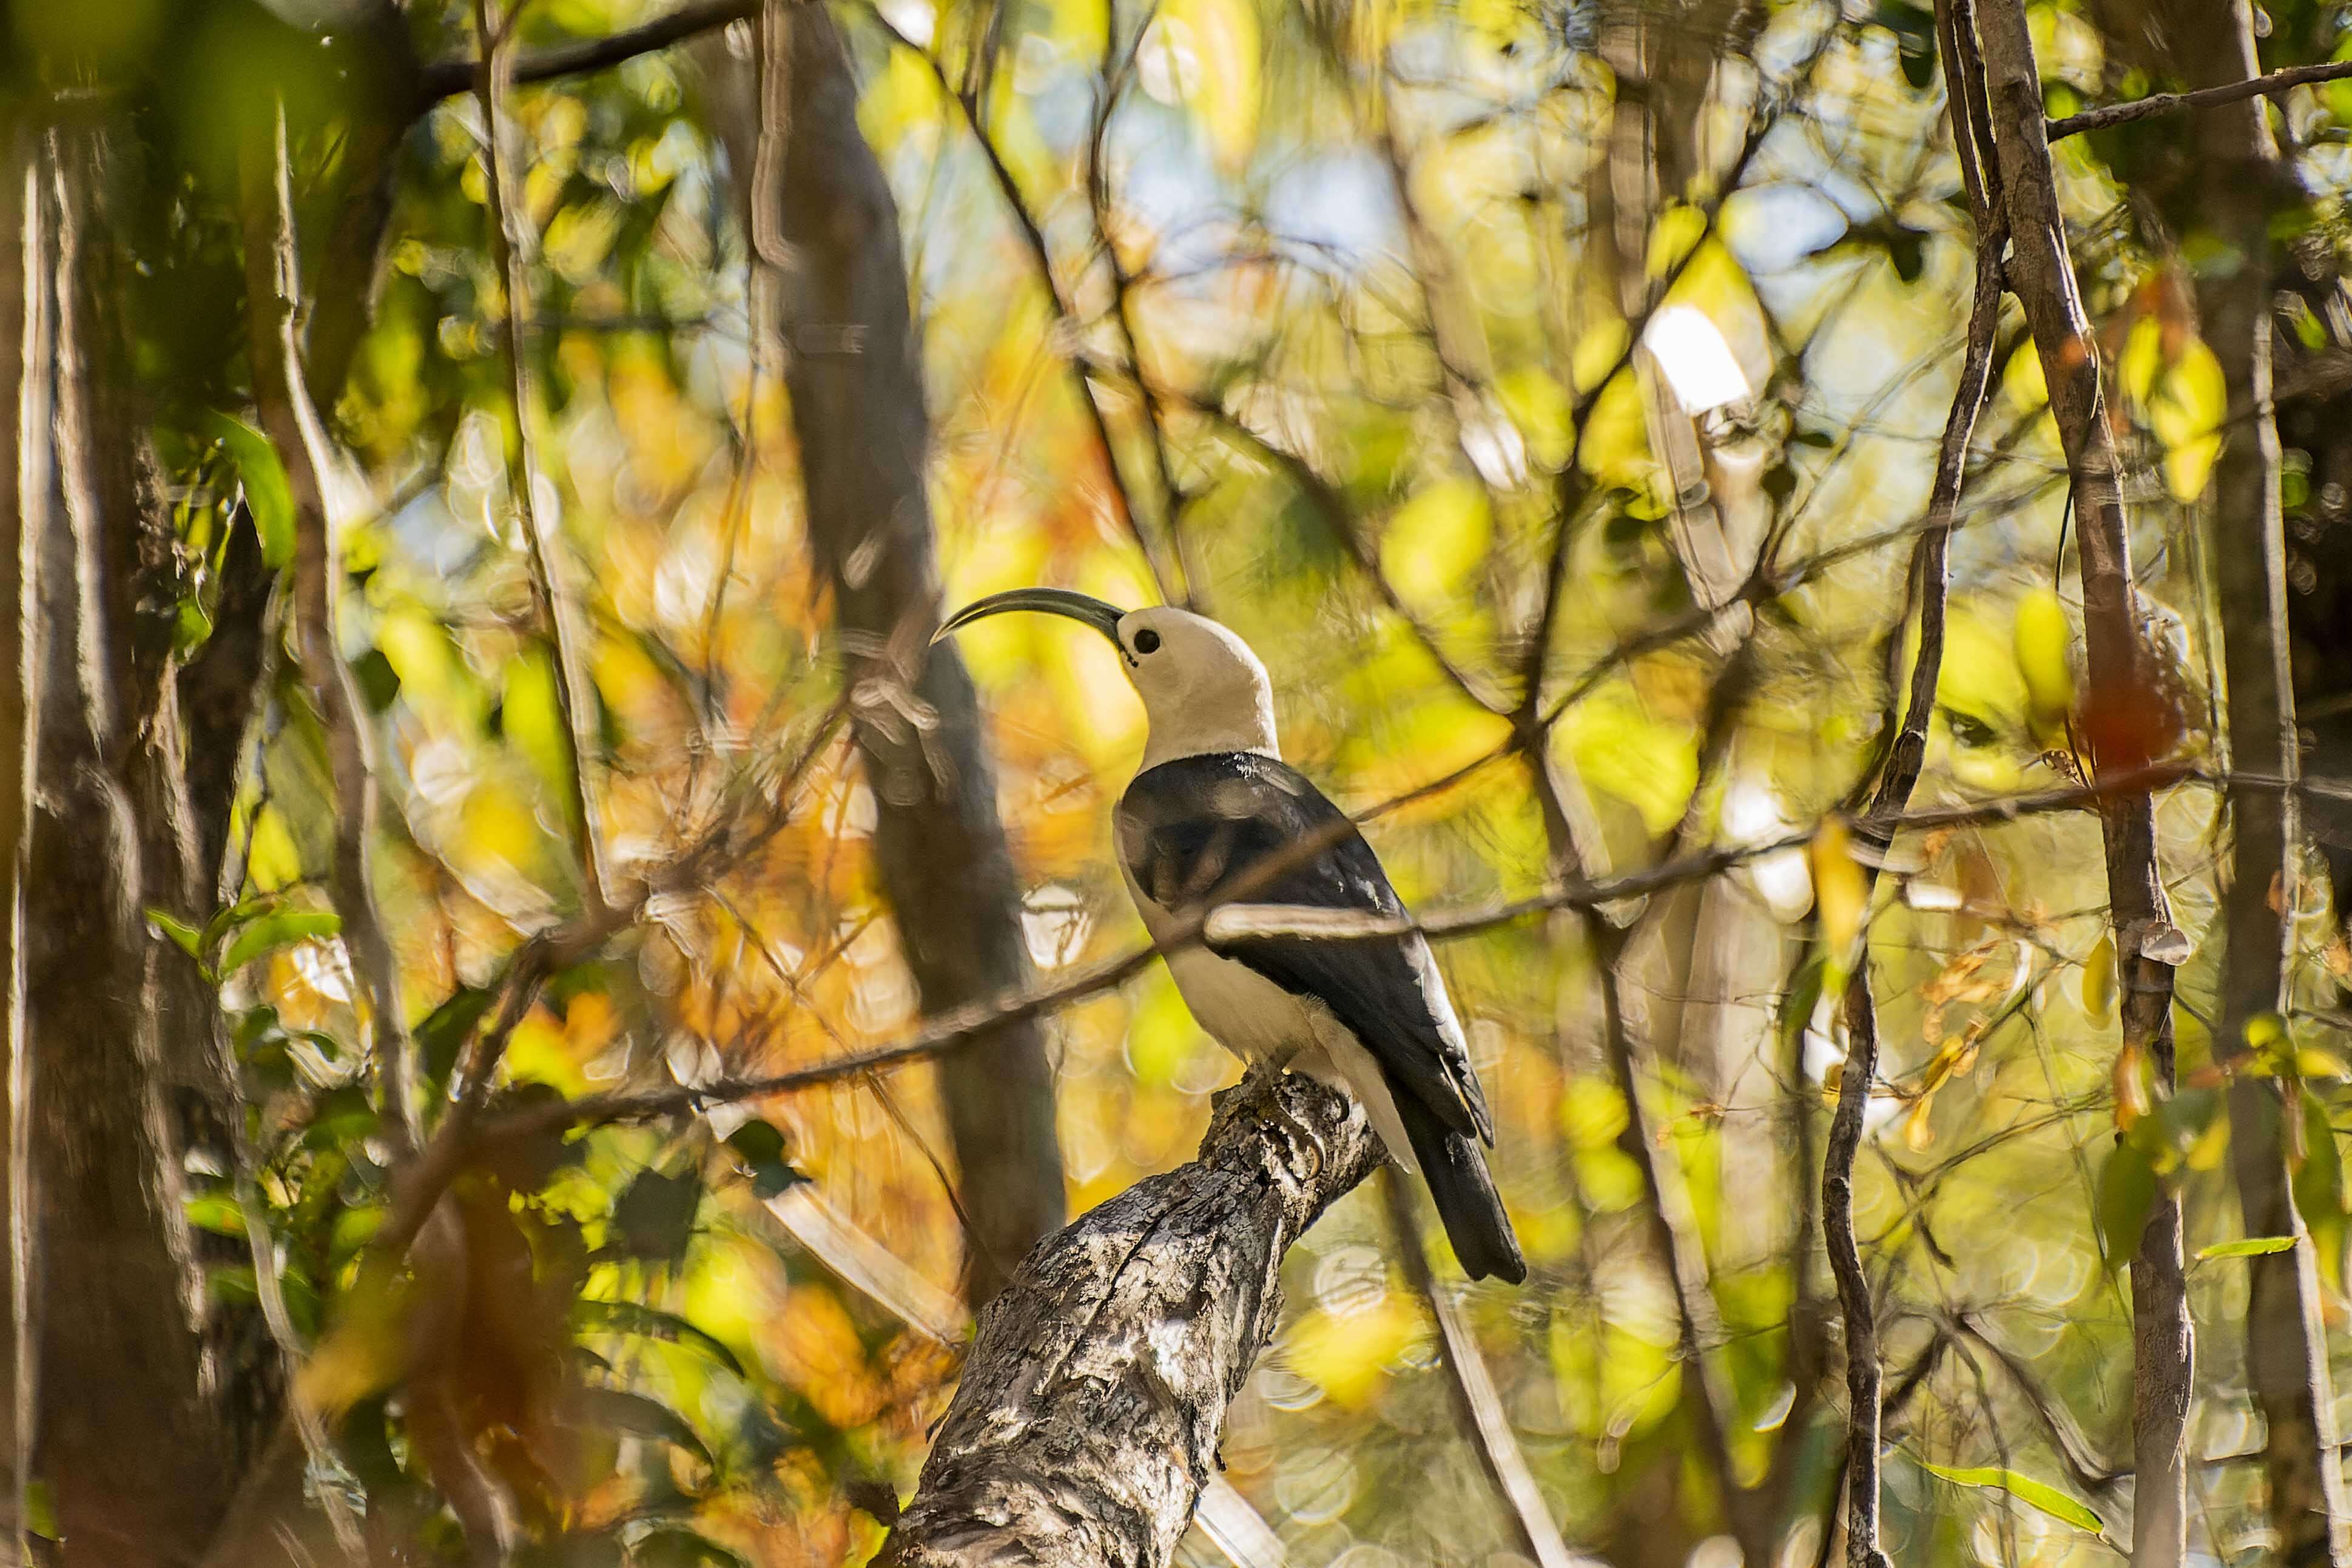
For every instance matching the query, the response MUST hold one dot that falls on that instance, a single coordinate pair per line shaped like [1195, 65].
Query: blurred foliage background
[1359, 324]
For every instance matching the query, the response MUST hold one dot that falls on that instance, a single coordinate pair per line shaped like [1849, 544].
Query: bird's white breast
[1260, 1023]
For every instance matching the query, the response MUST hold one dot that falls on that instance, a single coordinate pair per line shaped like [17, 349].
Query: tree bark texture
[1092, 1403]
[857, 408]
[2286, 1348]
[19, 161]
[129, 1411]
[2040, 272]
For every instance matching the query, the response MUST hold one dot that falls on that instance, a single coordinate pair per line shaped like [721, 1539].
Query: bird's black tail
[1467, 1200]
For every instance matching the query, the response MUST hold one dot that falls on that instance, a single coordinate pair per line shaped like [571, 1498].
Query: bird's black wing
[1189, 828]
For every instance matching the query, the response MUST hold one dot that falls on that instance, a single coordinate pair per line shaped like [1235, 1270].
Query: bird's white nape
[1203, 692]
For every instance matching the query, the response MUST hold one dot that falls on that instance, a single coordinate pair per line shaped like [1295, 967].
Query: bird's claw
[1301, 1146]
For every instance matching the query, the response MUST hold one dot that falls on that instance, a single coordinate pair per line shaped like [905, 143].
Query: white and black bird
[1214, 800]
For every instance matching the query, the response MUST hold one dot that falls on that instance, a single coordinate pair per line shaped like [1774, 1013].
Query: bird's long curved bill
[1095, 612]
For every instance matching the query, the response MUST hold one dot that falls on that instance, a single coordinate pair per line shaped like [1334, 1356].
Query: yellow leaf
[367, 1351]
[271, 860]
[1347, 1356]
[2195, 383]
[1616, 449]
[1162, 1038]
[1597, 353]
[1592, 1114]
[2189, 465]
[1839, 890]
[1437, 538]
[2205, 1154]
[1623, 750]
[1979, 676]
[905, 101]
[1226, 51]
[2024, 381]
[2266, 1038]
[2313, 1063]
[1542, 410]
[2131, 1077]
[2099, 979]
[418, 649]
[2043, 640]
[2136, 366]
[1080, 24]
[1676, 233]
[534, 720]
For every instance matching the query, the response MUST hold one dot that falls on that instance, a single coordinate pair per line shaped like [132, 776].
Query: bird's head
[1203, 691]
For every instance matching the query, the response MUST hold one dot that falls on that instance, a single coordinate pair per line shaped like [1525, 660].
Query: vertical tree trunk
[2041, 273]
[17, 165]
[858, 407]
[127, 1436]
[2286, 1349]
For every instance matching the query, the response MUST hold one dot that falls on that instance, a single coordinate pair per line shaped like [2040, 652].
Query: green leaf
[218, 1212]
[190, 627]
[762, 1149]
[2126, 1192]
[1797, 1007]
[2025, 1489]
[671, 1547]
[344, 1116]
[646, 1417]
[651, 1323]
[2319, 1186]
[2252, 1247]
[379, 681]
[182, 935]
[272, 932]
[230, 918]
[446, 1027]
[654, 1219]
[267, 494]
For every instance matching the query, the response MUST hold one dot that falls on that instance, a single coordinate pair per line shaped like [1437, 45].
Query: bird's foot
[1300, 1141]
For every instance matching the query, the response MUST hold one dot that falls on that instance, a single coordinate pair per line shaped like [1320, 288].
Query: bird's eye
[1147, 642]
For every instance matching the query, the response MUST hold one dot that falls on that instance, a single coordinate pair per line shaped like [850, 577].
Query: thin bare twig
[1905, 759]
[2275, 84]
[1065, 319]
[446, 78]
[510, 249]
[1864, 1375]
[273, 297]
[1484, 1420]
[269, 1286]
[1573, 485]
[420, 1182]
[1115, 68]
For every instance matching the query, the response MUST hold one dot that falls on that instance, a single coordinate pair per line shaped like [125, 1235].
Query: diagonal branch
[1087, 1420]
[446, 78]
[2276, 84]
[962, 1027]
